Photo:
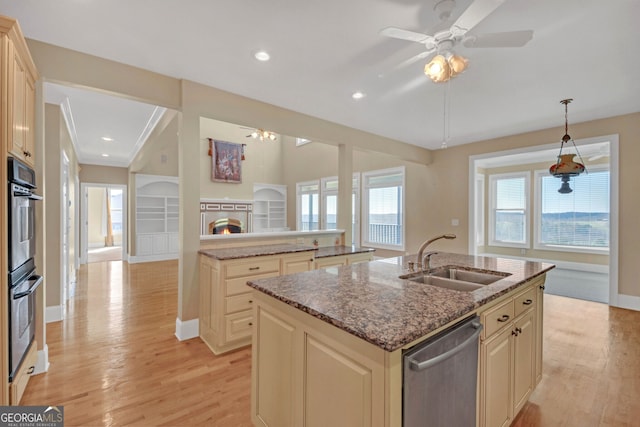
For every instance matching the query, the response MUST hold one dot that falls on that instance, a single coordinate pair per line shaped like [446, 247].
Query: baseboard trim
[135, 259]
[629, 302]
[187, 329]
[42, 364]
[53, 313]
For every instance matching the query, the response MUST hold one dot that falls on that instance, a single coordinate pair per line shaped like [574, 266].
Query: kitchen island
[328, 344]
[225, 320]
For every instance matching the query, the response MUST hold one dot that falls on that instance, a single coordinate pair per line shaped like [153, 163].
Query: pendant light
[565, 167]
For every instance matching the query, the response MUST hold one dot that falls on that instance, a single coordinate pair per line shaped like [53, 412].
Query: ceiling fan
[445, 63]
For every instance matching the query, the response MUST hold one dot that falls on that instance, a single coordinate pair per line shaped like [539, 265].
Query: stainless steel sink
[467, 275]
[442, 282]
[458, 278]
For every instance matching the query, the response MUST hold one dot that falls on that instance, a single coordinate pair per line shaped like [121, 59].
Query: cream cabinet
[225, 299]
[18, 75]
[20, 90]
[341, 260]
[306, 373]
[510, 352]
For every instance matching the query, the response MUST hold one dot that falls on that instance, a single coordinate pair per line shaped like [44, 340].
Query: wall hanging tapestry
[226, 161]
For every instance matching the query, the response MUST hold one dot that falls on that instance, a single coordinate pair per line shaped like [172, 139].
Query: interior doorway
[104, 225]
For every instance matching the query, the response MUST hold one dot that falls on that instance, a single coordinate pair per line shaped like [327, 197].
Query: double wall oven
[23, 280]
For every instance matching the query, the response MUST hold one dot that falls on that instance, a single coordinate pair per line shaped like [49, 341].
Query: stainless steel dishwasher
[440, 378]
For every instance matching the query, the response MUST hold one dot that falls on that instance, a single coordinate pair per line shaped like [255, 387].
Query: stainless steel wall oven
[23, 280]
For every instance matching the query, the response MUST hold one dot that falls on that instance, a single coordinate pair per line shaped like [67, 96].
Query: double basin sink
[457, 278]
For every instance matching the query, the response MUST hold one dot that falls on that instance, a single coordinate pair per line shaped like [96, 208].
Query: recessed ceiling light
[106, 138]
[105, 155]
[357, 95]
[261, 55]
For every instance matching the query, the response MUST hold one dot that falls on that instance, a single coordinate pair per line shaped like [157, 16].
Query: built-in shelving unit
[269, 207]
[156, 218]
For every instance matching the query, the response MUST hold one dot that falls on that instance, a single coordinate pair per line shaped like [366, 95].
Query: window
[115, 196]
[308, 209]
[383, 208]
[578, 221]
[479, 208]
[329, 193]
[509, 214]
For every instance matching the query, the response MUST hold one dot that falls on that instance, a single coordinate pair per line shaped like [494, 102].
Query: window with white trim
[383, 208]
[308, 205]
[575, 222]
[509, 210]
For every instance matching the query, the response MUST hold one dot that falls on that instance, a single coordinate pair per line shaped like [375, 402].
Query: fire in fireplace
[226, 226]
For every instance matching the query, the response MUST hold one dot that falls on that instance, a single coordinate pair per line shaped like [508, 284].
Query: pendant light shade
[565, 166]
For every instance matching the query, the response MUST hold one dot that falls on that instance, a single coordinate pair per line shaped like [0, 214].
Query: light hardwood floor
[116, 362]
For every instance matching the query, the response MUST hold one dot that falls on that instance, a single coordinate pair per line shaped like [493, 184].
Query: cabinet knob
[250, 323]
[31, 369]
[527, 302]
[503, 318]
[514, 333]
[250, 301]
[518, 330]
[542, 287]
[254, 268]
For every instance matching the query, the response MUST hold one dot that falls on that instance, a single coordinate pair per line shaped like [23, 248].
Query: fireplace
[226, 226]
[225, 217]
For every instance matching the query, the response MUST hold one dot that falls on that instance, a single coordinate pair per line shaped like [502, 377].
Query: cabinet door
[173, 243]
[160, 244]
[496, 379]
[29, 119]
[297, 264]
[273, 370]
[144, 245]
[539, 328]
[17, 84]
[333, 261]
[524, 359]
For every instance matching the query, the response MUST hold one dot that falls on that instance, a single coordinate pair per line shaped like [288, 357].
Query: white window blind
[579, 219]
[509, 210]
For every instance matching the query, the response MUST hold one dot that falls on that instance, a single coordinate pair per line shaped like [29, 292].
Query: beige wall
[159, 154]
[262, 164]
[452, 189]
[439, 192]
[96, 197]
[57, 140]
[95, 174]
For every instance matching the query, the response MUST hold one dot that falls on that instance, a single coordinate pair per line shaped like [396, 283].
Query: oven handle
[27, 194]
[38, 281]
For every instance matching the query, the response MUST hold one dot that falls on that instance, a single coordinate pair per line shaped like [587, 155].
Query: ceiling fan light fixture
[441, 69]
[262, 135]
[458, 64]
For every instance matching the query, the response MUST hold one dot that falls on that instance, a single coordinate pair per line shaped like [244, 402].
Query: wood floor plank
[114, 360]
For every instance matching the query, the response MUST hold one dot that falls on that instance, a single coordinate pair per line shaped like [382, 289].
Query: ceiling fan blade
[399, 33]
[506, 39]
[474, 14]
[413, 59]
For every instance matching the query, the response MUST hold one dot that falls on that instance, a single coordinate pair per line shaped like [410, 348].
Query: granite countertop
[329, 251]
[253, 251]
[372, 302]
[262, 250]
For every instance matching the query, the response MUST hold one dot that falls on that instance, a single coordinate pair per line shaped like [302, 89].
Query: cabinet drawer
[524, 301]
[239, 285]
[497, 317]
[21, 378]
[254, 267]
[238, 325]
[239, 302]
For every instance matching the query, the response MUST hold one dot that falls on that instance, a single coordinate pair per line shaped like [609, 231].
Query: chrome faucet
[424, 246]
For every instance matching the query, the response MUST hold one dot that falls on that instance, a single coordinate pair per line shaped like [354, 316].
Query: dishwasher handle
[425, 364]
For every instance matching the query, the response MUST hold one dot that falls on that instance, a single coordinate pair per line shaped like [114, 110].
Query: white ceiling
[93, 117]
[323, 51]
